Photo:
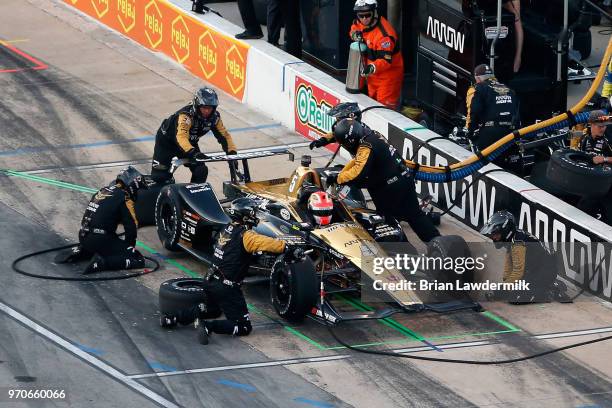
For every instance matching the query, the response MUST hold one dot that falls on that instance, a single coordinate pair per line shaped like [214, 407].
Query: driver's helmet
[204, 97]
[132, 181]
[243, 211]
[502, 222]
[321, 207]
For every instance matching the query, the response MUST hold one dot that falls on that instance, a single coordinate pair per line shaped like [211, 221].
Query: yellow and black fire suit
[379, 167]
[493, 110]
[527, 259]
[108, 208]
[178, 136]
[233, 250]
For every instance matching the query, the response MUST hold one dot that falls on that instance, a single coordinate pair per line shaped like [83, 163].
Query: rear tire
[293, 289]
[168, 212]
[449, 246]
[180, 294]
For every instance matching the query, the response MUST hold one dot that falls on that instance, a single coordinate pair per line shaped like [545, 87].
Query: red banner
[161, 26]
[311, 107]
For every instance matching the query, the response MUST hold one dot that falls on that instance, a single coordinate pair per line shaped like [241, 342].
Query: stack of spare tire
[573, 171]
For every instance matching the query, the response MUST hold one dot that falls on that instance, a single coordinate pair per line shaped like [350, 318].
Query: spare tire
[293, 289]
[574, 172]
[180, 294]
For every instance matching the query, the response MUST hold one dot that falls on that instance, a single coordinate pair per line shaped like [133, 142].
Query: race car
[189, 216]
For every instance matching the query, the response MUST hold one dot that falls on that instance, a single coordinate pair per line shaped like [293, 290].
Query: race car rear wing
[232, 159]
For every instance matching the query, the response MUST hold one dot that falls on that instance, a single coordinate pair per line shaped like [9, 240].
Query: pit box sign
[311, 107]
[162, 27]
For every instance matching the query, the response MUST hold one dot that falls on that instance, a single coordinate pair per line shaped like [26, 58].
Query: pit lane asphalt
[99, 93]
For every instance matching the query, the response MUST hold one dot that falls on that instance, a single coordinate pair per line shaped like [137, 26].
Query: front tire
[293, 289]
[168, 211]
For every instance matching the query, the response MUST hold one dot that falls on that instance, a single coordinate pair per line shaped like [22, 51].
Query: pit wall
[298, 95]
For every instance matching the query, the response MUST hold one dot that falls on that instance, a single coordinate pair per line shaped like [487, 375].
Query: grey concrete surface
[99, 93]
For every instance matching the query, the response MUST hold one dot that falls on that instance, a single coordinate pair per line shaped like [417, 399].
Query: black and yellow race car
[188, 217]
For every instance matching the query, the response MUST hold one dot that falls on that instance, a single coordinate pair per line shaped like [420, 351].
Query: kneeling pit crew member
[109, 207]
[179, 134]
[380, 168]
[594, 141]
[233, 250]
[526, 259]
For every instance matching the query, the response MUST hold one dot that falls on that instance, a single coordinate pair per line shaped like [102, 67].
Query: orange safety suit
[385, 84]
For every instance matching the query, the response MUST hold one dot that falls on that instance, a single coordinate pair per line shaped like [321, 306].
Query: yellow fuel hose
[528, 129]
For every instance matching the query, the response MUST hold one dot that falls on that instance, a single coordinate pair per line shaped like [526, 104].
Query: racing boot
[98, 264]
[203, 331]
[72, 255]
[558, 292]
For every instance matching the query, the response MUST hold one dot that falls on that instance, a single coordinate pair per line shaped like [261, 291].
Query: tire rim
[168, 219]
[283, 289]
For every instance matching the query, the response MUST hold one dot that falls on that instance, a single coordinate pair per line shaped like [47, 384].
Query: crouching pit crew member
[526, 259]
[109, 207]
[380, 168]
[179, 134]
[233, 250]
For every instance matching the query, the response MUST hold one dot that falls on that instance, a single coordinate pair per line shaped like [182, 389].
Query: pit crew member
[233, 249]
[384, 63]
[492, 109]
[379, 167]
[110, 206]
[526, 259]
[179, 134]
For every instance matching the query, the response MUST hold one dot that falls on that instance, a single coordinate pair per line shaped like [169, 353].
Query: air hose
[457, 171]
[20, 271]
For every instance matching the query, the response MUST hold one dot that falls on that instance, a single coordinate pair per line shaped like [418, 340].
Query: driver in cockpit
[321, 207]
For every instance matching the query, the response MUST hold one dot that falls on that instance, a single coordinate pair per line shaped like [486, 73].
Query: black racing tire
[181, 294]
[168, 210]
[573, 171]
[449, 246]
[293, 289]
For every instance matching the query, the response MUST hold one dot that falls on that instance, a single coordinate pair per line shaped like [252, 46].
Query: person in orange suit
[385, 66]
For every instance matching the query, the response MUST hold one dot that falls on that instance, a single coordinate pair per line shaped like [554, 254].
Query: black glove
[332, 179]
[232, 152]
[318, 143]
[357, 36]
[199, 156]
[369, 70]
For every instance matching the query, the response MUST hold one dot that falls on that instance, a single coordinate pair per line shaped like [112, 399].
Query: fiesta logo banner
[311, 107]
[208, 54]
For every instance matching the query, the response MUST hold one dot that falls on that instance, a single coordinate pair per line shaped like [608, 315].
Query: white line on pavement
[93, 361]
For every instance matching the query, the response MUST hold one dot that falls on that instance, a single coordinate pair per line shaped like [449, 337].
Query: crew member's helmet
[204, 97]
[321, 207]
[345, 110]
[348, 132]
[365, 5]
[500, 228]
[243, 211]
[132, 181]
